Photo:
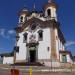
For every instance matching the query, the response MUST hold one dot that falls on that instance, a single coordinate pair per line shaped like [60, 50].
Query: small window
[64, 58]
[25, 37]
[48, 48]
[49, 12]
[21, 19]
[40, 35]
[16, 48]
[33, 27]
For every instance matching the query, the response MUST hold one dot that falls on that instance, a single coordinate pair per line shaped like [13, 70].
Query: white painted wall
[61, 45]
[43, 52]
[21, 55]
[60, 57]
[8, 60]
[58, 43]
[69, 59]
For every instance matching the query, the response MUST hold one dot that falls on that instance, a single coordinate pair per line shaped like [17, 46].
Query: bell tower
[23, 15]
[50, 10]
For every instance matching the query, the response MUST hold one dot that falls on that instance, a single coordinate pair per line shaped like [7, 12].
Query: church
[39, 39]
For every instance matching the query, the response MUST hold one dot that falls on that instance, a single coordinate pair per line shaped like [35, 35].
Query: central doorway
[32, 52]
[32, 55]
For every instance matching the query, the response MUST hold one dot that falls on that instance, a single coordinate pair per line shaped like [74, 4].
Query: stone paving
[37, 71]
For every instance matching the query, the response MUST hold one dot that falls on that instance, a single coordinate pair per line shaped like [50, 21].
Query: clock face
[33, 26]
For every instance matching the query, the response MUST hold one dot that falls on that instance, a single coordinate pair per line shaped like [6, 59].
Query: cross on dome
[34, 6]
[49, 1]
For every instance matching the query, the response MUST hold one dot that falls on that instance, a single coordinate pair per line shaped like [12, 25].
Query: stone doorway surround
[32, 52]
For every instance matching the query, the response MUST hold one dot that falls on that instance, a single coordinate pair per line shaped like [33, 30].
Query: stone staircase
[48, 73]
[38, 70]
[66, 65]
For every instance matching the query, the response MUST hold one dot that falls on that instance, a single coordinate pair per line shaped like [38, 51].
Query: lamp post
[51, 62]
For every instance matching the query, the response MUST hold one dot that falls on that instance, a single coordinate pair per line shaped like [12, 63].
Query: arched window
[21, 19]
[40, 35]
[25, 37]
[49, 12]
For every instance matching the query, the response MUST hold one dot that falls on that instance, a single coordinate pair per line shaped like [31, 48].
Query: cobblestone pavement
[4, 72]
[23, 71]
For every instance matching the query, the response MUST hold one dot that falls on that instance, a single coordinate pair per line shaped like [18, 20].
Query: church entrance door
[32, 55]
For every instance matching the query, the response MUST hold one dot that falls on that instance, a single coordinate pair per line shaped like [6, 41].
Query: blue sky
[9, 19]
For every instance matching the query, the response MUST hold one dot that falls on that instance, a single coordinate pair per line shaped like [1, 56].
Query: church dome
[24, 11]
[50, 4]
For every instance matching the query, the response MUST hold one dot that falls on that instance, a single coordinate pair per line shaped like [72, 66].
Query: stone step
[29, 64]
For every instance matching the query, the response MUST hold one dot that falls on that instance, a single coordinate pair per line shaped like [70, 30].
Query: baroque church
[39, 39]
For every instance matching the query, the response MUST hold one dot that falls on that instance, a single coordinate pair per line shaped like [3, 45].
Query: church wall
[43, 47]
[53, 13]
[21, 55]
[61, 45]
[56, 40]
[58, 43]
[43, 52]
[69, 59]
[60, 57]
[8, 60]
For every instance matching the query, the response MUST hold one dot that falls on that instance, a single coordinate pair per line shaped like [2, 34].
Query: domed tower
[23, 15]
[50, 10]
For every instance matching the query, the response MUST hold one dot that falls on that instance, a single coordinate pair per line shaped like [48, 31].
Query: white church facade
[39, 39]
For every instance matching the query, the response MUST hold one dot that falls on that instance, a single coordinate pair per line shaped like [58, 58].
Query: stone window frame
[25, 37]
[64, 58]
[40, 37]
[28, 55]
[49, 12]
[21, 19]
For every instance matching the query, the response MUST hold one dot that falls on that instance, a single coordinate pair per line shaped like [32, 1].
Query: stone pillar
[53, 44]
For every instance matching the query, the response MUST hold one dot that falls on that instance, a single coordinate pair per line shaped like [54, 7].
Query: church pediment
[38, 22]
[33, 20]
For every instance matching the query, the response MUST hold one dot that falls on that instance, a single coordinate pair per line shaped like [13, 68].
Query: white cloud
[2, 32]
[6, 34]
[11, 32]
[69, 43]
